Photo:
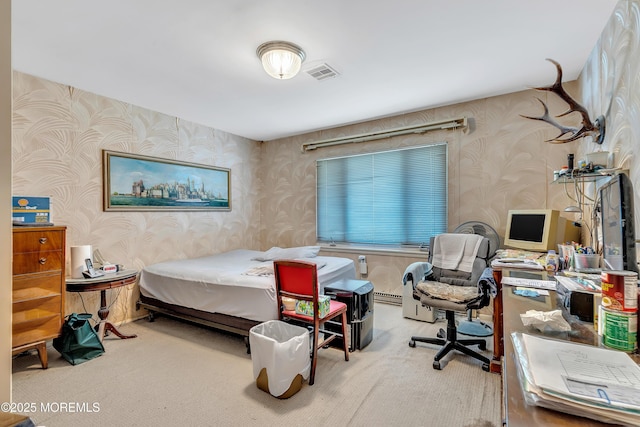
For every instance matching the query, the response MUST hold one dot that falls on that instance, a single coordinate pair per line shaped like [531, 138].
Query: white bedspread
[219, 283]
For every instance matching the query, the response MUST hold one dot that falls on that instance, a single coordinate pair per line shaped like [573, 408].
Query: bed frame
[210, 315]
[225, 322]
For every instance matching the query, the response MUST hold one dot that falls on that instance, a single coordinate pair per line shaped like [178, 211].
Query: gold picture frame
[133, 182]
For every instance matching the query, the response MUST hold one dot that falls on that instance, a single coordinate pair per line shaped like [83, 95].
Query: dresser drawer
[38, 329]
[38, 285]
[40, 240]
[31, 310]
[35, 262]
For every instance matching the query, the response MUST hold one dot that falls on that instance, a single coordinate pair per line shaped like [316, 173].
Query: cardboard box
[31, 210]
[306, 307]
[263, 384]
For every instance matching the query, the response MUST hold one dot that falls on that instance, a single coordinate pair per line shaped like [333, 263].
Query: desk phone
[91, 272]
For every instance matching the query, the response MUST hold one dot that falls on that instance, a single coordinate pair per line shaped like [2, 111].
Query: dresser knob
[42, 261]
[43, 240]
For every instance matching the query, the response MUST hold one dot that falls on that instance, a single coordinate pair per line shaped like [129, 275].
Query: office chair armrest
[487, 284]
[416, 272]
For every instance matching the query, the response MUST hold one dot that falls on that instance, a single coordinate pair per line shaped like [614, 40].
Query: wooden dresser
[38, 287]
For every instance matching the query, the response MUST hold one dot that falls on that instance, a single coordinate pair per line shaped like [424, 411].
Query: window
[394, 197]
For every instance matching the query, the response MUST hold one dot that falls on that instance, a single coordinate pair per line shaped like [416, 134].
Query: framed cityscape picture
[132, 182]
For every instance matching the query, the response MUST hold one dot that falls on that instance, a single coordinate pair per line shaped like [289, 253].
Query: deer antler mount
[568, 134]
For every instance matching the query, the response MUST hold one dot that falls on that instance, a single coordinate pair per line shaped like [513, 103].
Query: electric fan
[485, 230]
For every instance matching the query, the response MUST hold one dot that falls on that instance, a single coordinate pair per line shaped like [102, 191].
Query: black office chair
[455, 290]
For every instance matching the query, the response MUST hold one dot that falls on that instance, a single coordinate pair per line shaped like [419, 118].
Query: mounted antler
[595, 129]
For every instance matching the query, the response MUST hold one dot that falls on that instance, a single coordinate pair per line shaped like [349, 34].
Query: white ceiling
[195, 59]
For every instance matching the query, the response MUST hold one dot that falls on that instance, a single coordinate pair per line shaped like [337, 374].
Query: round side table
[102, 284]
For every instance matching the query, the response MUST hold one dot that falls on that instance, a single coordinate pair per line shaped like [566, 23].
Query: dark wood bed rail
[233, 324]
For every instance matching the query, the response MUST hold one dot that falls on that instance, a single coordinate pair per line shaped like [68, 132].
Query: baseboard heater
[387, 298]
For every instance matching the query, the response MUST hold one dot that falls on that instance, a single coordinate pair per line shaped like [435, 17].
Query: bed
[232, 291]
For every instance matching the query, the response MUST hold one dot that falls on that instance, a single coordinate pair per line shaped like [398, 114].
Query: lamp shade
[573, 209]
[281, 60]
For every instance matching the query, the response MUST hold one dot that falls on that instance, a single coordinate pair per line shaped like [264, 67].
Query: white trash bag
[282, 350]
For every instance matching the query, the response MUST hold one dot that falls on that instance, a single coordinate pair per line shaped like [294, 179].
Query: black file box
[358, 296]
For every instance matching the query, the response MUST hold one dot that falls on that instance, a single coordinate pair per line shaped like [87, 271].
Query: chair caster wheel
[441, 333]
[483, 346]
[412, 344]
[485, 367]
[436, 365]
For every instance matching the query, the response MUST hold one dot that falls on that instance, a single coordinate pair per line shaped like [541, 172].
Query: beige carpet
[177, 374]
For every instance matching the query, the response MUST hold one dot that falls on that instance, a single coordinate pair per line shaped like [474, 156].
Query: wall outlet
[362, 260]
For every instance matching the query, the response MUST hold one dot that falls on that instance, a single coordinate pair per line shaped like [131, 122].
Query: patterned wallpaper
[610, 85]
[58, 135]
[501, 162]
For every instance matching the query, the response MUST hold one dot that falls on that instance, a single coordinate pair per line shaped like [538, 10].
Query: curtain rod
[425, 127]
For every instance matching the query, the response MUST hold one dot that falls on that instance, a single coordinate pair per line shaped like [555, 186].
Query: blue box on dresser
[31, 210]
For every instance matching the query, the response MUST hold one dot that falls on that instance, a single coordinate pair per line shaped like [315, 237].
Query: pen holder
[583, 261]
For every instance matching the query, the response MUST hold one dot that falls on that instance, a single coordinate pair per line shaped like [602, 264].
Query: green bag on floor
[78, 341]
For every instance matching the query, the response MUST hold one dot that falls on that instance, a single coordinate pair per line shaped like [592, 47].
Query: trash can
[280, 355]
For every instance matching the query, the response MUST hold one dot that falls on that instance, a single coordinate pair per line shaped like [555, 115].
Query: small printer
[582, 305]
[581, 301]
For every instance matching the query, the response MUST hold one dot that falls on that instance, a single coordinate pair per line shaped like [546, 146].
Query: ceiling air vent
[322, 72]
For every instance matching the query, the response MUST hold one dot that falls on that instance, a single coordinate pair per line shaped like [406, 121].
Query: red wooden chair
[299, 280]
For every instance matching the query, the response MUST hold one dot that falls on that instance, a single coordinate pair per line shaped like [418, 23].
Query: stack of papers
[529, 283]
[578, 379]
[579, 284]
[526, 264]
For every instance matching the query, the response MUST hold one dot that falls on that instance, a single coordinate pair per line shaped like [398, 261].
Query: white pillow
[307, 251]
[288, 253]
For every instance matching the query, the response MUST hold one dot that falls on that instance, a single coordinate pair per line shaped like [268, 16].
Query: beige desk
[515, 411]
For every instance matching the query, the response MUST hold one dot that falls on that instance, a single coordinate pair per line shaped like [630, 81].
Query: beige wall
[5, 195]
[58, 135]
[500, 163]
[610, 85]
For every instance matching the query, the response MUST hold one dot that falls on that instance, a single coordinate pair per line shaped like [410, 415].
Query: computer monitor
[617, 221]
[538, 230]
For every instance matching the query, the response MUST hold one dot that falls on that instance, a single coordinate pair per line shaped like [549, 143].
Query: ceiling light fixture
[281, 60]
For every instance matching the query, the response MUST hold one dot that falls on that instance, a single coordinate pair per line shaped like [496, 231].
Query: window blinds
[391, 198]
